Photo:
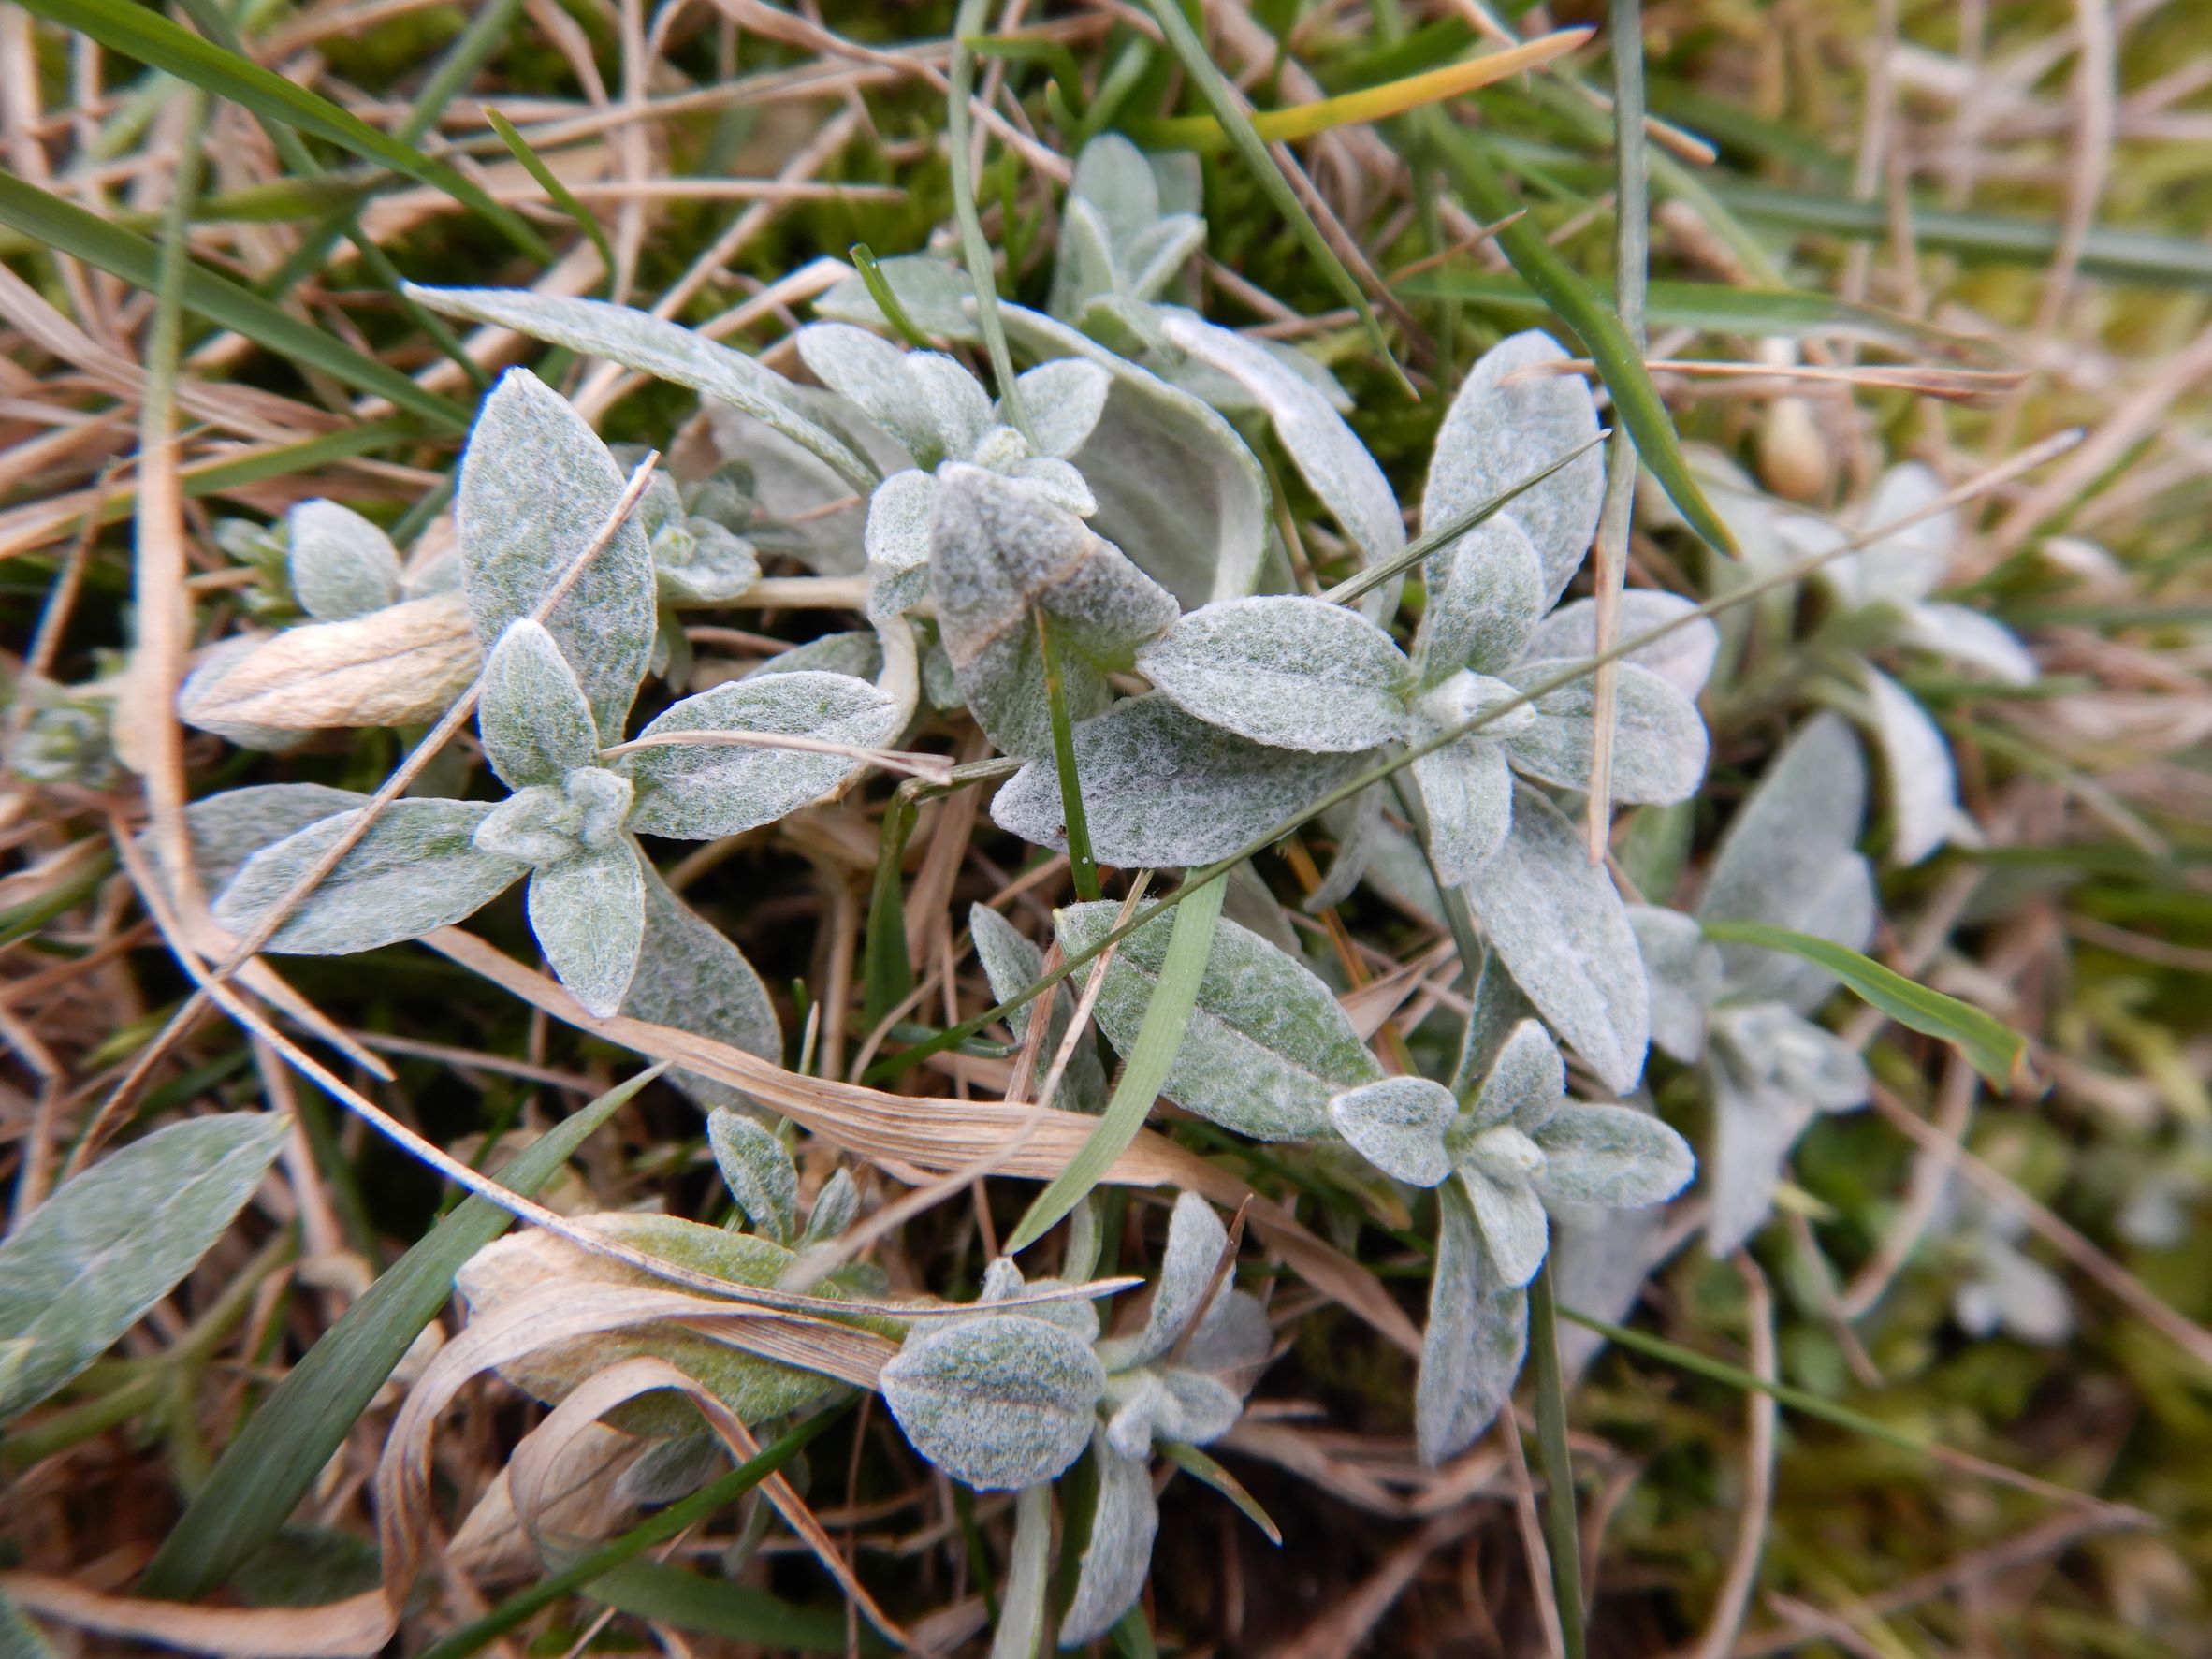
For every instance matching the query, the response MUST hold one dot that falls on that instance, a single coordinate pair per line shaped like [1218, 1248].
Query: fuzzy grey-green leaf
[1267, 1047]
[1486, 591]
[997, 1401]
[340, 565]
[1612, 1155]
[107, 1245]
[537, 489]
[418, 870]
[1287, 671]
[1119, 1552]
[531, 713]
[1659, 742]
[758, 1172]
[696, 792]
[1477, 1336]
[1398, 1125]
[1012, 965]
[588, 911]
[229, 828]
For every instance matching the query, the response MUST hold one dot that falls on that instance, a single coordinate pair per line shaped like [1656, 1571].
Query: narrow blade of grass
[1237, 125]
[1562, 289]
[887, 975]
[1563, 1535]
[1160, 1035]
[1082, 868]
[1369, 103]
[1194, 1461]
[669, 1595]
[138, 32]
[1716, 308]
[69, 229]
[1993, 1048]
[880, 290]
[268, 1467]
[550, 181]
[975, 252]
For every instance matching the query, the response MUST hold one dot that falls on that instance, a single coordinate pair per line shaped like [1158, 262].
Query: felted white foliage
[1563, 930]
[1119, 1551]
[857, 654]
[757, 1171]
[1909, 564]
[2000, 1286]
[340, 565]
[690, 976]
[1787, 859]
[1174, 484]
[531, 714]
[1683, 968]
[1486, 591]
[587, 911]
[926, 401]
[536, 488]
[1267, 1047]
[1477, 1336]
[1923, 783]
[1504, 424]
[1398, 1126]
[1012, 965]
[1064, 400]
[1682, 659]
[1120, 242]
[418, 870]
[1969, 637]
[1466, 787]
[1000, 552]
[1659, 742]
[1196, 1240]
[697, 791]
[997, 1401]
[835, 1206]
[1284, 670]
[665, 350]
[225, 830]
[1160, 787]
[1329, 457]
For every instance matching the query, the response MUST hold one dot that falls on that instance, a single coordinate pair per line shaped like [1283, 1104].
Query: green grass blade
[648, 1588]
[1166, 1018]
[1083, 869]
[887, 975]
[664, 1524]
[69, 229]
[975, 253]
[1561, 287]
[1199, 1465]
[1993, 1048]
[560, 194]
[286, 1444]
[1236, 122]
[1716, 308]
[880, 290]
[140, 33]
[1564, 1536]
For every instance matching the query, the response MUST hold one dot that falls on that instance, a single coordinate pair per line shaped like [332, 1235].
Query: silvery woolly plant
[1009, 1400]
[1740, 1013]
[536, 489]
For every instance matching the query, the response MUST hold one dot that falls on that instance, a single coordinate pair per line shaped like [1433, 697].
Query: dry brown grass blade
[941, 1136]
[351, 1629]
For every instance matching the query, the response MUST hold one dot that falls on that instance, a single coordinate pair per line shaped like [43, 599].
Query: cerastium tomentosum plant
[1093, 568]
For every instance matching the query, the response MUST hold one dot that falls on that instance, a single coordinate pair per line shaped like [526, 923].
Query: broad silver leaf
[690, 976]
[858, 654]
[340, 565]
[1923, 784]
[1119, 1552]
[1659, 742]
[1268, 1047]
[225, 830]
[1196, 1238]
[697, 791]
[1466, 787]
[1174, 482]
[1682, 659]
[997, 1401]
[1753, 1127]
[1526, 1081]
[1063, 399]
[1287, 671]
[1486, 591]
[1563, 932]
[656, 347]
[1398, 1126]
[1611, 1156]
[1683, 969]
[1514, 1230]
[416, 870]
[1329, 455]
[107, 1245]
[757, 1171]
[537, 726]
[537, 488]
[837, 1205]
[588, 911]
[1512, 416]
[1967, 637]
[1477, 1338]
[1911, 564]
